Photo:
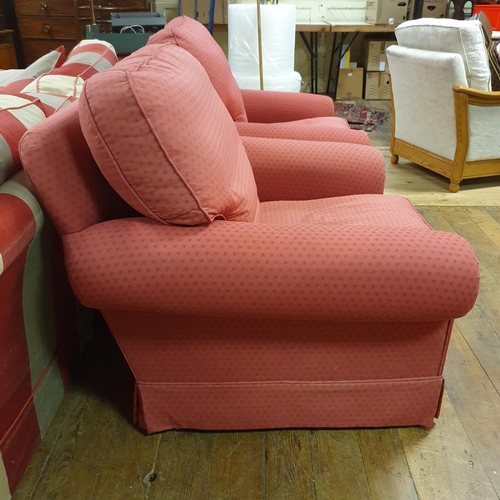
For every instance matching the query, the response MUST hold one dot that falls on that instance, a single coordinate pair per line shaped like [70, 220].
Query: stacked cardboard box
[427, 8]
[386, 11]
[350, 85]
[375, 63]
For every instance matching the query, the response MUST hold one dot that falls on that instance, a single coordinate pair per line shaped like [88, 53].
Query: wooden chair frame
[459, 168]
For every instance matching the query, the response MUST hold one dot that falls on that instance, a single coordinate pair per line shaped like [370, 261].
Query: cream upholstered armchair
[446, 118]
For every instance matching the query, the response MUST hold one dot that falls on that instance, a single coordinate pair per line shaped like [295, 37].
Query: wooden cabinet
[45, 25]
[7, 52]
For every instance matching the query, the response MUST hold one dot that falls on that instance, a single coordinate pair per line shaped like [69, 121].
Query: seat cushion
[449, 35]
[165, 142]
[366, 210]
[323, 128]
[196, 39]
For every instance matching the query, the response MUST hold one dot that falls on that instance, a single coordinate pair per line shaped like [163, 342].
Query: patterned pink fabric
[195, 38]
[310, 129]
[360, 211]
[224, 373]
[189, 173]
[288, 404]
[265, 106]
[87, 198]
[362, 269]
[304, 170]
[331, 313]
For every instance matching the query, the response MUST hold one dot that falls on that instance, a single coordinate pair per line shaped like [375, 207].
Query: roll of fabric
[290, 81]
[278, 45]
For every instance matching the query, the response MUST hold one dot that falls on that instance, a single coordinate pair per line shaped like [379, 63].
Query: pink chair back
[196, 39]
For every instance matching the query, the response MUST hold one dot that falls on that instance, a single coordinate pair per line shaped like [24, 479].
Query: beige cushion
[449, 35]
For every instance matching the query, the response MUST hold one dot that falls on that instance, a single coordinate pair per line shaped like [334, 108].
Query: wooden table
[313, 28]
[348, 32]
[7, 52]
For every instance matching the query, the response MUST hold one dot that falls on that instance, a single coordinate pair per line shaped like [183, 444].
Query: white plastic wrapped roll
[278, 43]
[290, 81]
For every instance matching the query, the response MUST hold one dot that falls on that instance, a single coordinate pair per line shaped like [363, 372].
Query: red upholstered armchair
[267, 283]
[285, 115]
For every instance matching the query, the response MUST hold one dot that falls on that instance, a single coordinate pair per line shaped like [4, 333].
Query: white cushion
[450, 35]
[43, 65]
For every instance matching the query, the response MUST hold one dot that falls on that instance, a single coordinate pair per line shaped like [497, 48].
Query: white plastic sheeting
[278, 46]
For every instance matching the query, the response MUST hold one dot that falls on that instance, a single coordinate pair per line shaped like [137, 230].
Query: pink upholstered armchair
[285, 115]
[327, 305]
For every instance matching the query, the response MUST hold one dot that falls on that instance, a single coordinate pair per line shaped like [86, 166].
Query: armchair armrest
[317, 130]
[264, 106]
[252, 270]
[303, 170]
[21, 218]
[477, 116]
[478, 97]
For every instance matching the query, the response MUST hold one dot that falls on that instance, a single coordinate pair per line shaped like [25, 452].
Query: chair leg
[454, 187]
[394, 159]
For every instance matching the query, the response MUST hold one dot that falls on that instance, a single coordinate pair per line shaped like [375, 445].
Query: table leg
[211, 14]
[341, 55]
[334, 50]
[313, 51]
[316, 79]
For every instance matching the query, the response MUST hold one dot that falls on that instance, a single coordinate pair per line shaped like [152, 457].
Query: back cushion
[166, 143]
[196, 39]
[449, 35]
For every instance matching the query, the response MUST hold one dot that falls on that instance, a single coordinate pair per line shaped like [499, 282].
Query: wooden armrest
[478, 97]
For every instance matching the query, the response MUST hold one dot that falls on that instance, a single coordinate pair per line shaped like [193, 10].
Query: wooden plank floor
[93, 452]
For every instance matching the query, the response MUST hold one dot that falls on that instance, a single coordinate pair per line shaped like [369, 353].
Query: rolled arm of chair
[21, 218]
[238, 269]
[264, 106]
[306, 130]
[303, 170]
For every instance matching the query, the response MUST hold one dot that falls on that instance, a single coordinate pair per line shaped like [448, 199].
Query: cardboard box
[350, 85]
[374, 58]
[427, 8]
[377, 86]
[386, 11]
[434, 8]
[385, 85]
[372, 84]
[220, 15]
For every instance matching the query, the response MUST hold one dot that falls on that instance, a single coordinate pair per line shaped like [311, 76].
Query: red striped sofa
[42, 327]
